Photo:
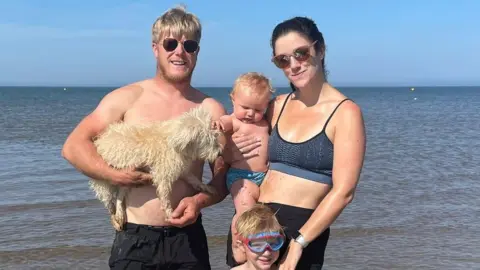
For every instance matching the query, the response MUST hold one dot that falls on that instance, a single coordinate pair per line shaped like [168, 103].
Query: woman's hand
[290, 259]
[240, 147]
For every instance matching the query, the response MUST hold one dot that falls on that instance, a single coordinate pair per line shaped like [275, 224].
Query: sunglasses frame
[166, 40]
[307, 56]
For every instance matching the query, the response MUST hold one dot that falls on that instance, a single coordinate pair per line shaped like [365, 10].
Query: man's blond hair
[260, 218]
[253, 82]
[177, 22]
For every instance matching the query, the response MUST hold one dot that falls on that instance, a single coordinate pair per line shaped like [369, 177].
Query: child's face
[262, 250]
[249, 106]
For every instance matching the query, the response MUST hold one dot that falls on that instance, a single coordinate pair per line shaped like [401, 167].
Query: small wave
[6, 209]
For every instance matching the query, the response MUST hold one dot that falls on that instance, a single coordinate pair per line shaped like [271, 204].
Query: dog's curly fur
[167, 149]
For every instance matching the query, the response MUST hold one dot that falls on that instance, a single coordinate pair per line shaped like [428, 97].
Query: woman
[316, 147]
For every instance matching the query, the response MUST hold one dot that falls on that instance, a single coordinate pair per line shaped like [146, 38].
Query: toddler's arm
[225, 123]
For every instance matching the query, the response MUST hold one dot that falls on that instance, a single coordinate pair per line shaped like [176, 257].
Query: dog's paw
[168, 212]
[117, 225]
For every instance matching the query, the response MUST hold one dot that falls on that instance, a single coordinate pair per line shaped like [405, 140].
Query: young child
[261, 238]
[250, 97]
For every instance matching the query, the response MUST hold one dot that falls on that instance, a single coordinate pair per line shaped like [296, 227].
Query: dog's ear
[179, 142]
[188, 128]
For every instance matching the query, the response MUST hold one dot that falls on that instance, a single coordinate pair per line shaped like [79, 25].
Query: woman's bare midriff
[143, 206]
[290, 190]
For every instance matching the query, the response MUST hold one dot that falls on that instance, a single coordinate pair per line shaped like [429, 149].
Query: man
[150, 240]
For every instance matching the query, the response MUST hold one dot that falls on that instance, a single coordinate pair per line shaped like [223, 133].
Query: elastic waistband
[237, 170]
[291, 217]
[165, 230]
[290, 209]
[301, 173]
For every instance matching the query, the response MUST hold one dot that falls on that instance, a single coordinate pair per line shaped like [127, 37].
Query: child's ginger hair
[259, 218]
[253, 82]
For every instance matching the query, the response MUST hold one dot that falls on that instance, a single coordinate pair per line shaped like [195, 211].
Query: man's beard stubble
[185, 78]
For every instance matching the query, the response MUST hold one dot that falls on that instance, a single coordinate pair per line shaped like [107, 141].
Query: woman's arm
[349, 151]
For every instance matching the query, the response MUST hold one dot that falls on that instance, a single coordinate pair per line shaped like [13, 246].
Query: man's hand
[186, 213]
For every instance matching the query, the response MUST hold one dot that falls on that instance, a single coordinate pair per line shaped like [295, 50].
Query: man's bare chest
[157, 110]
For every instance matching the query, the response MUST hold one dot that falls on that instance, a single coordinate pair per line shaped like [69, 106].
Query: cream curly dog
[165, 148]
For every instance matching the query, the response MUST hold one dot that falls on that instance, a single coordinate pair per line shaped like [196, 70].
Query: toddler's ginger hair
[253, 82]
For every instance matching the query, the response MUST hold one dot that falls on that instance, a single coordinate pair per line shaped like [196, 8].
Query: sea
[417, 205]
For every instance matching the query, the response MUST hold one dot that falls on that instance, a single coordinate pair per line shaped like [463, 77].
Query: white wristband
[301, 240]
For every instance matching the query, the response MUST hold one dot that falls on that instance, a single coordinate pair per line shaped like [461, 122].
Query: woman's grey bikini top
[311, 159]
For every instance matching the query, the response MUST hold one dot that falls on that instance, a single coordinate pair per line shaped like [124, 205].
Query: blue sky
[369, 43]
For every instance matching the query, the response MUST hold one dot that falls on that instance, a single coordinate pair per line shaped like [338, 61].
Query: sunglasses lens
[170, 44]
[281, 61]
[301, 54]
[190, 46]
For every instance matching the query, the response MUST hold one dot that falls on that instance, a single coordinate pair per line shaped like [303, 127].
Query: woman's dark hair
[305, 27]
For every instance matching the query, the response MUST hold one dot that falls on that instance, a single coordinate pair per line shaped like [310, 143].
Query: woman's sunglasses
[258, 243]
[300, 54]
[170, 44]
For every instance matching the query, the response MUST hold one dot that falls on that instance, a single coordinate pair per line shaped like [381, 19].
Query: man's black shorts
[150, 247]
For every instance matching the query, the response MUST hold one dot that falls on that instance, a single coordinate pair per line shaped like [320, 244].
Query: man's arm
[219, 170]
[219, 167]
[189, 208]
[79, 149]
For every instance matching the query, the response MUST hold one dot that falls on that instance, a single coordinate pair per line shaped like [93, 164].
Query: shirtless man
[149, 239]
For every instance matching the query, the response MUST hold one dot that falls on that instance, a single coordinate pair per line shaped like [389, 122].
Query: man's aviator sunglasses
[300, 54]
[170, 44]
